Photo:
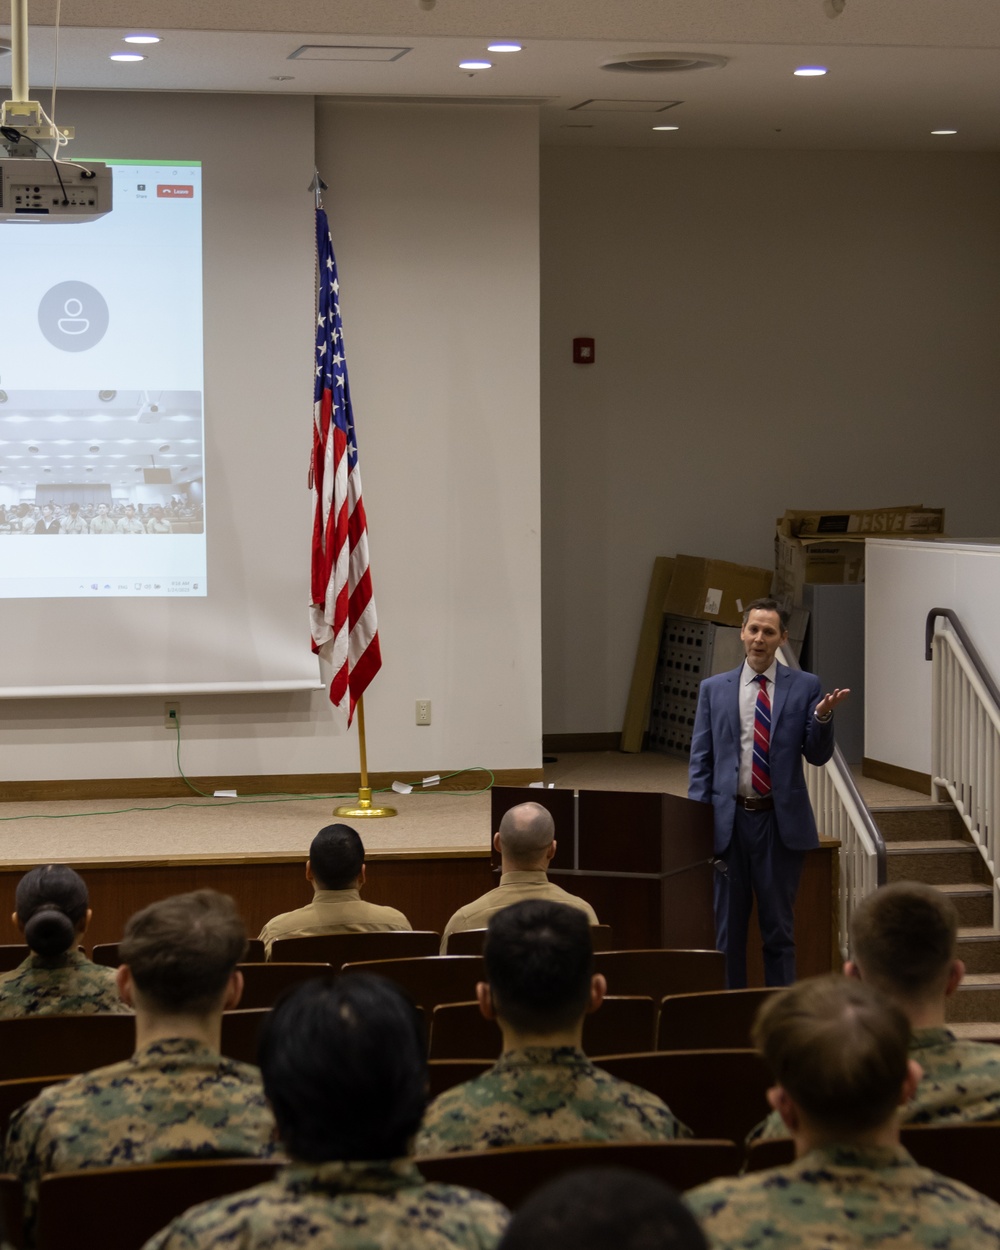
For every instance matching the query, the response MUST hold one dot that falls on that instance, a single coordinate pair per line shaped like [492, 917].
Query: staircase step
[974, 903]
[977, 999]
[979, 950]
[935, 820]
[937, 862]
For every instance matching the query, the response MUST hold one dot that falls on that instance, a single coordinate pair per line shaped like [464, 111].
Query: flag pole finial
[318, 186]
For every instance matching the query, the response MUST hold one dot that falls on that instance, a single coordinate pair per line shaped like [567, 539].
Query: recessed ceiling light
[944, 132]
[503, 47]
[141, 39]
[126, 56]
[810, 71]
[475, 65]
[666, 127]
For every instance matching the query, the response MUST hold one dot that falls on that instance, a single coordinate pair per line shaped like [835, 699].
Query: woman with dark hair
[56, 979]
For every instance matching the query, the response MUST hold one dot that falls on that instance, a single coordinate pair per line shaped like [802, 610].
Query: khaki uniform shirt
[543, 1094]
[65, 985]
[845, 1198]
[341, 1206]
[130, 525]
[960, 1084]
[77, 526]
[332, 911]
[103, 525]
[158, 525]
[173, 1099]
[514, 887]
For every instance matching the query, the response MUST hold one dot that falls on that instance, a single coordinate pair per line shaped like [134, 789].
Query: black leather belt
[759, 803]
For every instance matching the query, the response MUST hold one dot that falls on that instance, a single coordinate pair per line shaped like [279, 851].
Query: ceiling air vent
[663, 62]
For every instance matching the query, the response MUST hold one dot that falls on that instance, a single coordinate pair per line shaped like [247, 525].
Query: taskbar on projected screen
[108, 587]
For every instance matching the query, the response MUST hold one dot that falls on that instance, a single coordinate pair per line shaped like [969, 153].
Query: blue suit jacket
[713, 775]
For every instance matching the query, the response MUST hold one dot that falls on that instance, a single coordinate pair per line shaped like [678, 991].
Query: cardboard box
[908, 519]
[714, 590]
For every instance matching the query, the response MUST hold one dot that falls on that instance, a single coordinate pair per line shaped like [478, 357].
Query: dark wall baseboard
[282, 783]
[581, 742]
[908, 778]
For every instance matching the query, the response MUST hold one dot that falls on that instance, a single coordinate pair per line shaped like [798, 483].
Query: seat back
[106, 953]
[40, 1045]
[240, 1030]
[14, 1094]
[125, 1206]
[338, 949]
[470, 941]
[460, 1031]
[11, 956]
[716, 1093]
[773, 1152]
[442, 1074]
[430, 981]
[512, 1172]
[11, 1211]
[263, 984]
[714, 1021]
[966, 1152]
[661, 972]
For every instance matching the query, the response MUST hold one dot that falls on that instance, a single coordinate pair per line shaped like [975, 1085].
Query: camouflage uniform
[64, 985]
[543, 1094]
[845, 1196]
[960, 1085]
[353, 1206]
[174, 1099]
[514, 887]
[332, 911]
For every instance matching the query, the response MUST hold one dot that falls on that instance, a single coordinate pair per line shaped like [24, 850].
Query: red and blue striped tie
[761, 772]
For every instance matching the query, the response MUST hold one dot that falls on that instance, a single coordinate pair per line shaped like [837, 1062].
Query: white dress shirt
[749, 689]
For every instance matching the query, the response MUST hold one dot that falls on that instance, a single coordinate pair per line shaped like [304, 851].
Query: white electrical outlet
[423, 711]
[171, 715]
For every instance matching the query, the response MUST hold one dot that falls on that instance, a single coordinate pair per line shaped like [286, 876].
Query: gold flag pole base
[364, 807]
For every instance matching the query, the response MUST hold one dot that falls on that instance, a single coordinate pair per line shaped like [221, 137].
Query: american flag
[343, 608]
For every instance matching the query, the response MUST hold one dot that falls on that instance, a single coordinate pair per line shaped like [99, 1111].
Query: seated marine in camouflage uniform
[345, 1071]
[904, 939]
[526, 843]
[540, 965]
[56, 980]
[177, 1097]
[839, 1053]
[336, 869]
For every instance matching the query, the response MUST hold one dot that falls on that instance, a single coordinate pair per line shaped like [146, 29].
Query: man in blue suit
[751, 730]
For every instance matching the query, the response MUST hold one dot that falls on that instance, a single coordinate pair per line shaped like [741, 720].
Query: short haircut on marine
[539, 963]
[182, 950]
[767, 605]
[51, 903]
[526, 830]
[904, 939]
[593, 1208]
[336, 854]
[345, 1069]
[838, 1048]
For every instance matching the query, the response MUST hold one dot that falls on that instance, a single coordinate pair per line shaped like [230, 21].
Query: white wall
[435, 221]
[904, 582]
[773, 330]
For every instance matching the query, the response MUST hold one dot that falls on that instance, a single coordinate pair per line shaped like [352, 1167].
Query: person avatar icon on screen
[73, 323]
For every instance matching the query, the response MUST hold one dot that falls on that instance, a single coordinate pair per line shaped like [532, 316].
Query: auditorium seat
[240, 1030]
[661, 972]
[14, 1094]
[775, 1152]
[510, 1173]
[716, 1093]
[460, 1031]
[442, 1074]
[470, 941]
[966, 1152]
[428, 982]
[263, 984]
[12, 956]
[11, 1211]
[106, 953]
[97, 1207]
[338, 949]
[711, 1021]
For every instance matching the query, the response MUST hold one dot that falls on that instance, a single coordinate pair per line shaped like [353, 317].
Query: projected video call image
[101, 396]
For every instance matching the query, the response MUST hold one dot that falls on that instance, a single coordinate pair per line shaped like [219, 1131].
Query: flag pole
[364, 805]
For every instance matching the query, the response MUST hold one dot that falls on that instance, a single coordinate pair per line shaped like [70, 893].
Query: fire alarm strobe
[583, 351]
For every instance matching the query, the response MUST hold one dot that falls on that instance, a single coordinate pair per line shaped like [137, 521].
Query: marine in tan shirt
[526, 843]
[336, 868]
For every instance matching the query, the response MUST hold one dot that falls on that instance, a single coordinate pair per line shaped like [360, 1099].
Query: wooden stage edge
[58, 791]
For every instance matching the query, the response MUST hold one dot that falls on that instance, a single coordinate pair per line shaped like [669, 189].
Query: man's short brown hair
[181, 951]
[904, 938]
[838, 1049]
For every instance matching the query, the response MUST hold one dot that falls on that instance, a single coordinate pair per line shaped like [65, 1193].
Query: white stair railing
[965, 741]
[842, 813]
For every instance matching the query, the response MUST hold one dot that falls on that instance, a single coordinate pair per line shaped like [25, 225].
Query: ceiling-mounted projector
[30, 190]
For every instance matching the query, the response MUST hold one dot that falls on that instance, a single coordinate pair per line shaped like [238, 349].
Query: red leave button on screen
[167, 191]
